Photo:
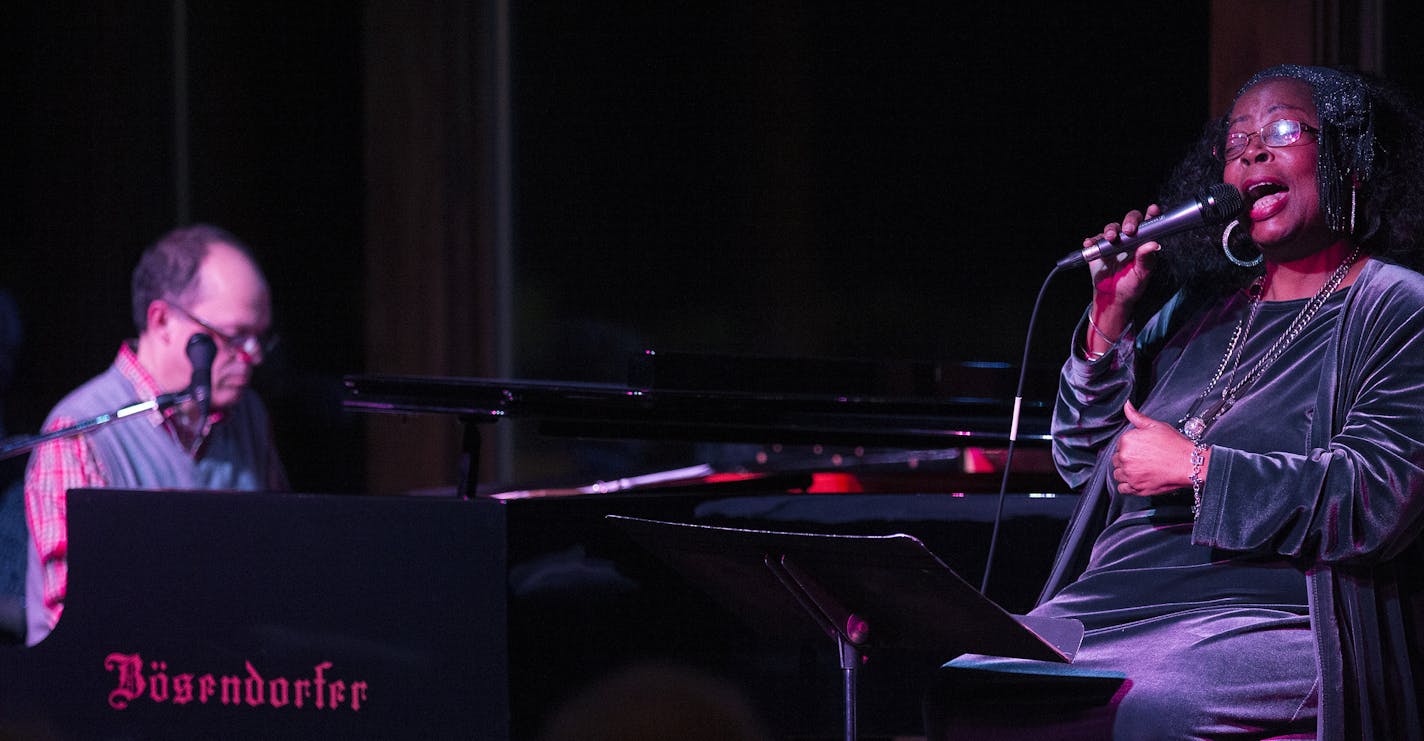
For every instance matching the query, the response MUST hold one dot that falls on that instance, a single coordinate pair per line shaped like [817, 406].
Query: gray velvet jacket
[1348, 513]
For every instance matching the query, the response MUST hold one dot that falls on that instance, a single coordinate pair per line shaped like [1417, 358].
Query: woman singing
[1250, 453]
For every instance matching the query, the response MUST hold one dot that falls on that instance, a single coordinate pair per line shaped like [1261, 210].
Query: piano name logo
[249, 689]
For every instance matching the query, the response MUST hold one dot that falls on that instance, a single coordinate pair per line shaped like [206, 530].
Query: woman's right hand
[1119, 280]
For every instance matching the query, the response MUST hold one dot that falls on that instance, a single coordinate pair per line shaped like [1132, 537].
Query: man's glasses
[1283, 133]
[250, 347]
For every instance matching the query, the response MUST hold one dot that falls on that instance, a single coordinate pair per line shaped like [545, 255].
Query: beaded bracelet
[1198, 458]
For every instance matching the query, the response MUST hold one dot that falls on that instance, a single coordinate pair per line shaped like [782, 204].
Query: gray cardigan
[140, 453]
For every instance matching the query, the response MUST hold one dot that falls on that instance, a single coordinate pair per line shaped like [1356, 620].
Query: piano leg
[469, 473]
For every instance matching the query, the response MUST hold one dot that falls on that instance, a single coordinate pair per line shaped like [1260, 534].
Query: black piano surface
[456, 618]
[226, 615]
[870, 417]
[325, 616]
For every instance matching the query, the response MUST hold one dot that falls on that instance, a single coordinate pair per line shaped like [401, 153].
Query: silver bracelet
[1198, 458]
[1099, 332]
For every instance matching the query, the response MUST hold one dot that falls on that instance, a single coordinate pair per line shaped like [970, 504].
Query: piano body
[213, 615]
[474, 616]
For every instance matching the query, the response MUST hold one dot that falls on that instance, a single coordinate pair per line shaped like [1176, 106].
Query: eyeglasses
[1283, 133]
[250, 347]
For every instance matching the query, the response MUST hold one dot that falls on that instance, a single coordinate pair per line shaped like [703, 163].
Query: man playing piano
[194, 280]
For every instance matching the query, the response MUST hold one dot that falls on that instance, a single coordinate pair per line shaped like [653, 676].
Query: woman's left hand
[1152, 457]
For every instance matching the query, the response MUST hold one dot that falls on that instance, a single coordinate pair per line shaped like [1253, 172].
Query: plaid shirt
[69, 463]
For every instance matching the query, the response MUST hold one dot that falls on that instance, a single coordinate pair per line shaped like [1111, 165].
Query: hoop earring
[1226, 247]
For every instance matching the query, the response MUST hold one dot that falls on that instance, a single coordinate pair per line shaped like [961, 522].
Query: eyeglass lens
[1282, 133]
[250, 345]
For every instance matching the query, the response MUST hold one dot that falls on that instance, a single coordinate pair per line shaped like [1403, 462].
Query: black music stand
[867, 592]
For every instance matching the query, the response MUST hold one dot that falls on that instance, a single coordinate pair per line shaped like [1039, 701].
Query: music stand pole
[850, 665]
[817, 605]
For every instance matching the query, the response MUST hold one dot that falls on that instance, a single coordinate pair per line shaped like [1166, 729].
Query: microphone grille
[1220, 202]
[201, 350]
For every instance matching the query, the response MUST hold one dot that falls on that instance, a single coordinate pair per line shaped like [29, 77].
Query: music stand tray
[867, 592]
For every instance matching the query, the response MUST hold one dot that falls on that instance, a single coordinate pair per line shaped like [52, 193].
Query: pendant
[1195, 426]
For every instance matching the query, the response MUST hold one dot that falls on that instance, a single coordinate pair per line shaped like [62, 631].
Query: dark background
[863, 180]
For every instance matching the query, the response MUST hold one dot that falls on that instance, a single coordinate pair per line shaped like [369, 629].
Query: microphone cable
[1213, 205]
[1014, 431]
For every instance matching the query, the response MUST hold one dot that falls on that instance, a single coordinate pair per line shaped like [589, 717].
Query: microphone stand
[25, 443]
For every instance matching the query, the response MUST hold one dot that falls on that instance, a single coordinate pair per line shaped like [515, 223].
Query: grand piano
[476, 615]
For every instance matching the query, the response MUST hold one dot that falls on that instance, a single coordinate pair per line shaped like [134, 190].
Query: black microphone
[201, 351]
[1214, 205]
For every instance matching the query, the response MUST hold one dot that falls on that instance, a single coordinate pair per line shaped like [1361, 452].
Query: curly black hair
[1390, 201]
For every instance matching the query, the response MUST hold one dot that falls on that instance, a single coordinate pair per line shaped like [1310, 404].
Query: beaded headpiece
[1347, 138]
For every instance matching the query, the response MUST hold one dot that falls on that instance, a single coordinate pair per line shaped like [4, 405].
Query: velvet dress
[1291, 603]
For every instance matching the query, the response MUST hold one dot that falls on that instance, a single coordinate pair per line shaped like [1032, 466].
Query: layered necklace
[1194, 423]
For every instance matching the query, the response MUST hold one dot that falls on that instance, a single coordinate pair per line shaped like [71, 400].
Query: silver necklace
[1194, 426]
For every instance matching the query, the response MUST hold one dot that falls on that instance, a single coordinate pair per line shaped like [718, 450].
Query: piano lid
[566, 408]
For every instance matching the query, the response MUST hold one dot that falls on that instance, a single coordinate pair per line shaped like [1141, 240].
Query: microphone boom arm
[22, 444]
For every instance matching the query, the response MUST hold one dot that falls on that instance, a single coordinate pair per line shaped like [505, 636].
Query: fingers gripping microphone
[1215, 205]
[201, 352]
